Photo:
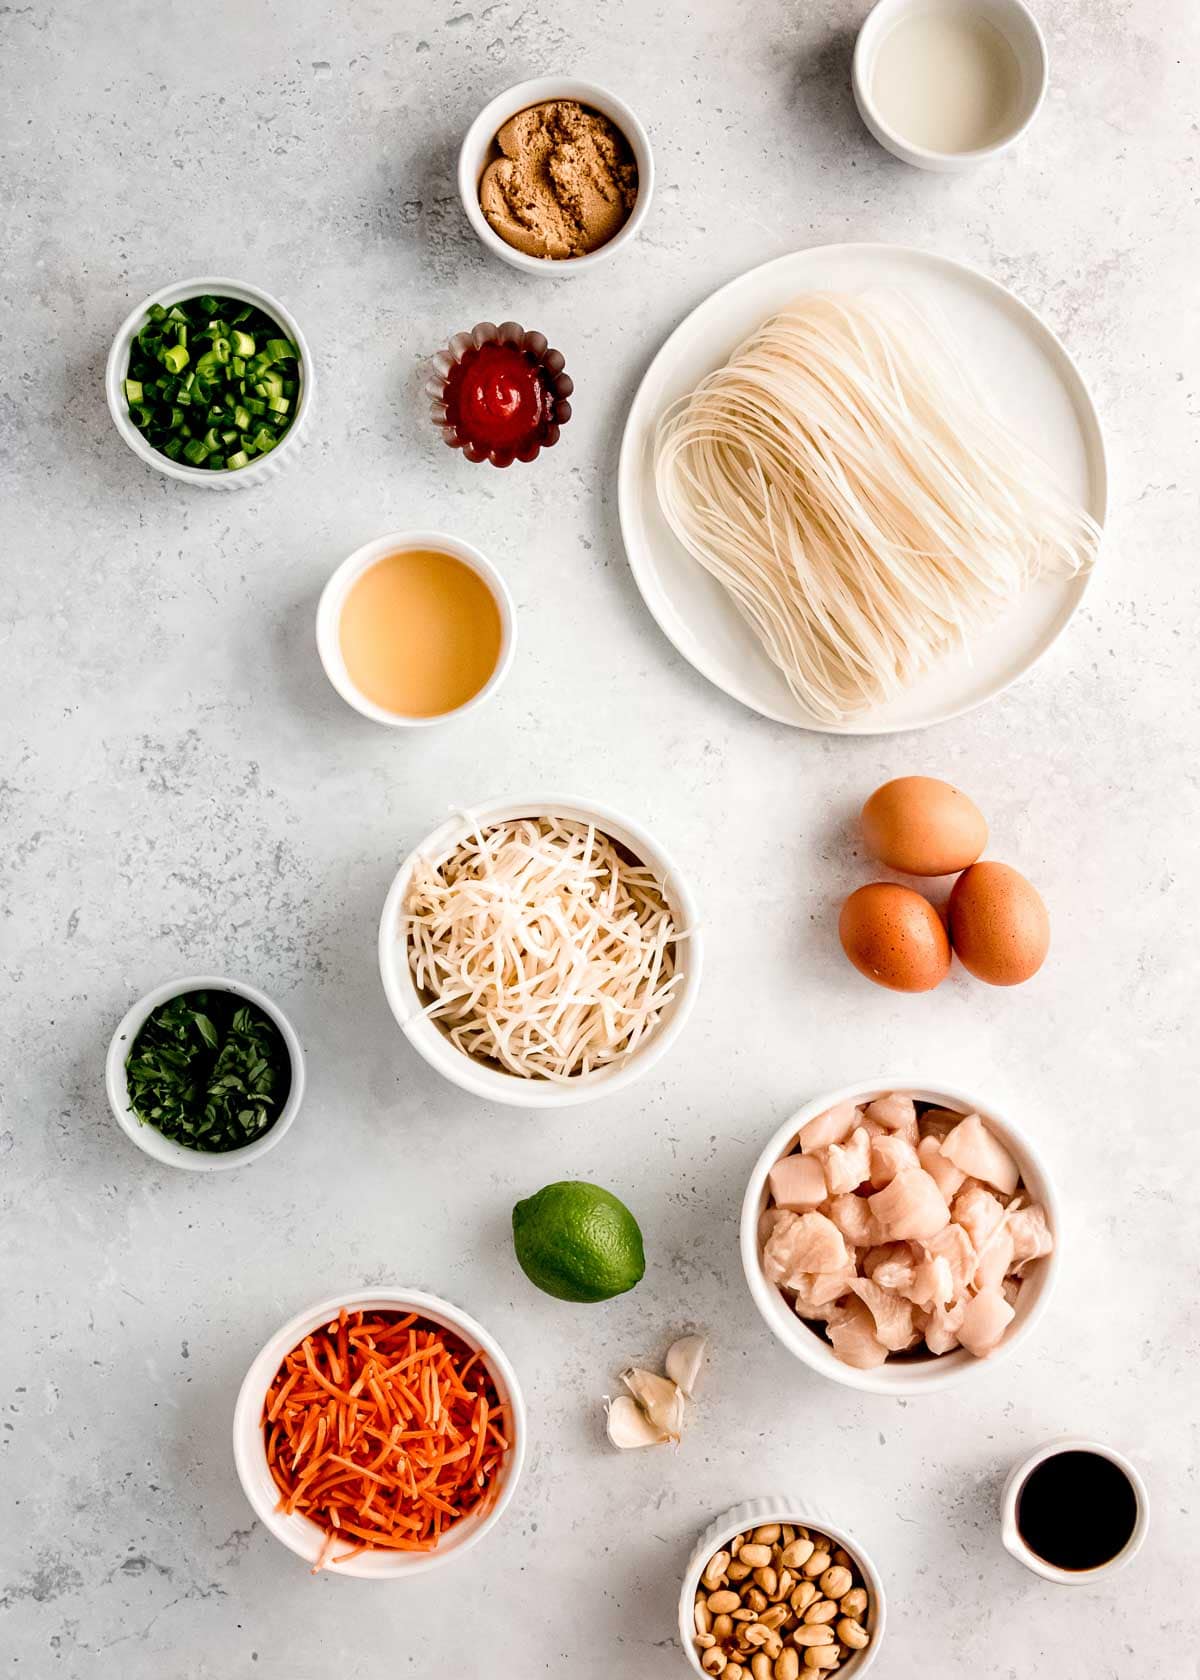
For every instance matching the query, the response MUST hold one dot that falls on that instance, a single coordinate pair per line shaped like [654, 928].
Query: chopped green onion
[239, 382]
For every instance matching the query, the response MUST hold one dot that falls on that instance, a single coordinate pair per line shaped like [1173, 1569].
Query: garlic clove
[684, 1360]
[628, 1425]
[659, 1398]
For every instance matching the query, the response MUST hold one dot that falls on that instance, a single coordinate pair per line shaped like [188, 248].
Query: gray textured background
[181, 789]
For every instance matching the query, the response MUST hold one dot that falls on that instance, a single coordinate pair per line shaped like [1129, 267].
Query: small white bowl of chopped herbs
[205, 1073]
[210, 381]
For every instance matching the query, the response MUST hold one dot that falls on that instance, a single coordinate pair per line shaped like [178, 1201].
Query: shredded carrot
[381, 1428]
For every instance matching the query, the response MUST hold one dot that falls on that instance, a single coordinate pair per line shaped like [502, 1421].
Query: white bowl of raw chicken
[918, 1370]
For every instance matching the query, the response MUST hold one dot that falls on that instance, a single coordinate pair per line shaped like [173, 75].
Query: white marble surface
[180, 789]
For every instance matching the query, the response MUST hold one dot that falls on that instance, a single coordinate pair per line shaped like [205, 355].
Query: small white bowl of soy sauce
[1074, 1510]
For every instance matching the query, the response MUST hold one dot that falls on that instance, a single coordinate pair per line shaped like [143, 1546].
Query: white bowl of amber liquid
[416, 628]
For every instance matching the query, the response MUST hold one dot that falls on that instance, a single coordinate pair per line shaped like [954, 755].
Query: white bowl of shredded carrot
[380, 1434]
[540, 952]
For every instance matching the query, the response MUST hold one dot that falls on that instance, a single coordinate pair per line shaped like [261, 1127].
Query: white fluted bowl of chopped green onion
[205, 1073]
[211, 382]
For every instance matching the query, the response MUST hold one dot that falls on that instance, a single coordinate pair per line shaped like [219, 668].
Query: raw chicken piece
[1030, 1234]
[875, 1257]
[833, 1126]
[807, 1242]
[910, 1206]
[937, 1122]
[941, 1333]
[897, 1113]
[852, 1336]
[894, 1268]
[948, 1178]
[995, 1259]
[977, 1211]
[981, 1154]
[852, 1216]
[817, 1291]
[892, 1315]
[955, 1247]
[986, 1318]
[932, 1284]
[797, 1182]
[847, 1164]
[890, 1154]
[767, 1221]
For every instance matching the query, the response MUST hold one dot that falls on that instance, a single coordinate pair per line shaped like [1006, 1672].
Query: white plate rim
[636, 431]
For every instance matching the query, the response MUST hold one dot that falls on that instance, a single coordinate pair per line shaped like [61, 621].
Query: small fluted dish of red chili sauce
[499, 394]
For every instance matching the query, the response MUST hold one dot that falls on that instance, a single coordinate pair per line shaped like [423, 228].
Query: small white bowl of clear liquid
[947, 84]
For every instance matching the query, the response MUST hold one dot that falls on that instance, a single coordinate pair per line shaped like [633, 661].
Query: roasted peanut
[738, 1571]
[854, 1603]
[787, 1663]
[843, 1558]
[702, 1616]
[745, 1614]
[714, 1569]
[766, 1535]
[806, 1636]
[797, 1553]
[735, 1671]
[760, 1666]
[853, 1634]
[775, 1616]
[714, 1661]
[787, 1533]
[755, 1556]
[774, 1644]
[802, 1596]
[735, 1545]
[767, 1579]
[822, 1656]
[757, 1634]
[836, 1581]
[824, 1610]
[723, 1601]
[757, 1600]
[723, 1626]
[817, 1564]
[784, 1584]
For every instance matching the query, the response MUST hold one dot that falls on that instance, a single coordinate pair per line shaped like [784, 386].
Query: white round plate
[1016, 359]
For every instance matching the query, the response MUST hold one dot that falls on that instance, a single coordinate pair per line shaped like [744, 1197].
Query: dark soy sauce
[1076, 1510]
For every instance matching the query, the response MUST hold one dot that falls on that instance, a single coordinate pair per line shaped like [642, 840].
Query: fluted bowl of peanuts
[775, 1591]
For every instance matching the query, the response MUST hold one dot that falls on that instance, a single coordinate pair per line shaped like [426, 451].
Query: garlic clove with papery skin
[628, 1425]
[659, 1398]
[684, 1360]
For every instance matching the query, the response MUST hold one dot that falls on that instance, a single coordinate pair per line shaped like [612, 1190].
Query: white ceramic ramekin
[262, 467]
[333, 598]
[901, 1377]
[1010, 1534]
[752, 1513]
[1020, 29]
[473, 157]
[165, 1149]
[297, 1532]
[493, 1084]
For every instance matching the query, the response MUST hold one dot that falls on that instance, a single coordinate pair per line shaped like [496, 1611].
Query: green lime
[578, 1242]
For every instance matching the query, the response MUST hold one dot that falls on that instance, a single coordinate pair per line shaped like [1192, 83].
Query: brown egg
[998, 924]
[923, 827]
[895, 937]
